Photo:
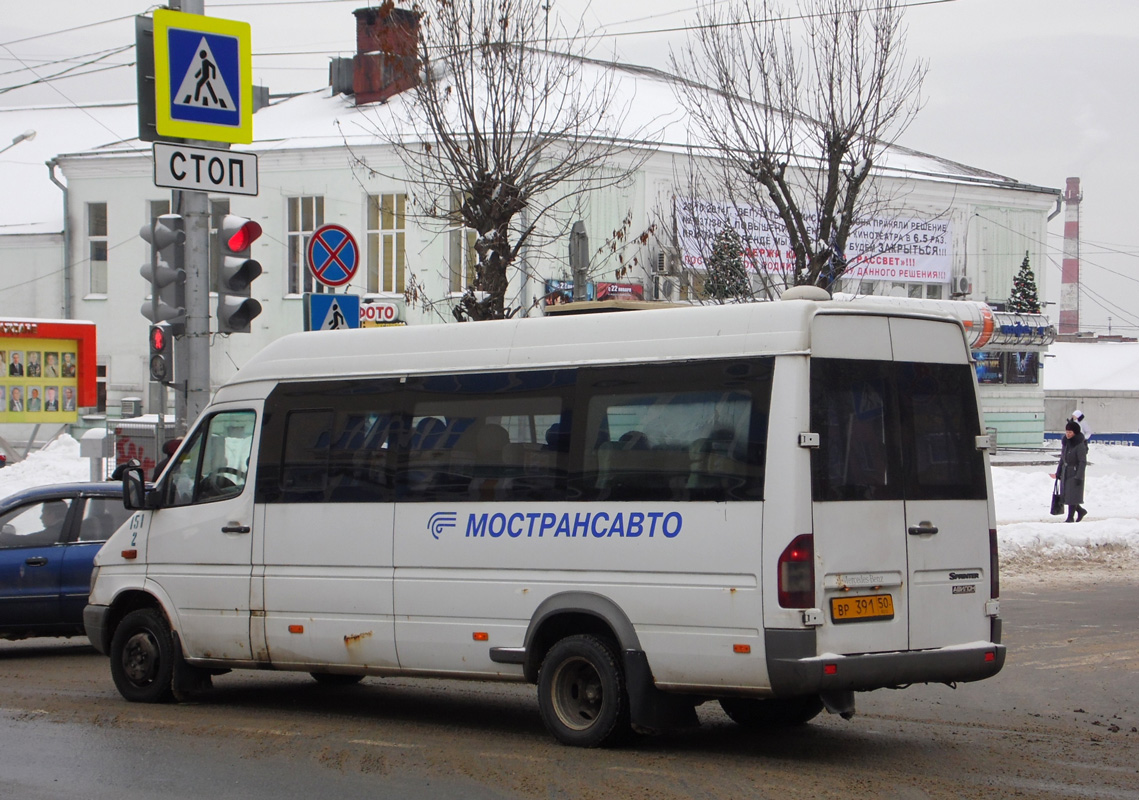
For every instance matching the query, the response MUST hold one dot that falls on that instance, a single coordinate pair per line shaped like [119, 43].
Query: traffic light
[165, 272]
[161, 353]
[237, 271]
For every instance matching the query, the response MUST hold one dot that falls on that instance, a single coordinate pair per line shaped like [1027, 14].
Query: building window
[386, 242]
[306, 214]
[218, 210]
[97, 247]
[462, 256]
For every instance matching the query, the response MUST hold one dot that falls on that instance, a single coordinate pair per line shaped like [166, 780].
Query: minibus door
[200, 541]
[946, 518]
[858, 510]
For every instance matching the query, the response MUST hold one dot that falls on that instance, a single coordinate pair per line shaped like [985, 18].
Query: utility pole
[195, 208]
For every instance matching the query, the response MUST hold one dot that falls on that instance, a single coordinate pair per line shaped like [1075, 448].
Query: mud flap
[187, 680]
[841, 703]
[650, 709]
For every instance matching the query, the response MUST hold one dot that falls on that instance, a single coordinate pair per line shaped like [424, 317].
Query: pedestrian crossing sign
[203, 78]
[331, 312]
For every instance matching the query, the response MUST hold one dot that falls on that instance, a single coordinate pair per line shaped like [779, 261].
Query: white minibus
[770, 505]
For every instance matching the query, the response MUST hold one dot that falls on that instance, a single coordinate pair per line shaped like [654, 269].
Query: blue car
[49, 536]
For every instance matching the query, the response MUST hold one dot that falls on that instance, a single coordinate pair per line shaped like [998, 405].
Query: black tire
[581, 693]
[335, 679]
[142, 657]
[778, 712]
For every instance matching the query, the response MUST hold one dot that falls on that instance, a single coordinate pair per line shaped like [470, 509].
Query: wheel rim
[578, 694]
[141, 658]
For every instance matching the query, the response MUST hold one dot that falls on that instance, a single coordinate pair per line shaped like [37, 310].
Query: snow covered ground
[1106, 542]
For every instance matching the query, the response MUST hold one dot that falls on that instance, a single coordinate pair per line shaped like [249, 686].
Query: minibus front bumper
[795, 669]
[95, 623]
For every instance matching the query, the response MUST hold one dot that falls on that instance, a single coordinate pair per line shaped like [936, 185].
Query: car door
[199, 545]
[99, 518]
[31, 560]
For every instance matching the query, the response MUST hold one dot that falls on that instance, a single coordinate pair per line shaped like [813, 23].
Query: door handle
[925, 527]
[36, 561]
[236, 529]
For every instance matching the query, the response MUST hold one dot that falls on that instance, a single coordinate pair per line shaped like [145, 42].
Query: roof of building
[649, 113]
[1092, 366]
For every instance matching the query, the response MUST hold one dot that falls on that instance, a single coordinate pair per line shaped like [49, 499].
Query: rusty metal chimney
[385, 63]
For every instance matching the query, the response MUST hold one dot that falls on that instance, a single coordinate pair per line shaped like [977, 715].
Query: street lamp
[23, 137]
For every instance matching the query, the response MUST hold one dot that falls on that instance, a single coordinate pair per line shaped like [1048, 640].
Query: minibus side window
[330, 442]
[676, 432]
[215, 465]
[487, 436]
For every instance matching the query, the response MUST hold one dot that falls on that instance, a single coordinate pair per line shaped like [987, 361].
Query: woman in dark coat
[1073, 463]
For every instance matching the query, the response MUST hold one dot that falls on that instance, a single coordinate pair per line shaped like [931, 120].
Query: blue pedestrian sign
[332, 312]
[333, 256]
[203, 78]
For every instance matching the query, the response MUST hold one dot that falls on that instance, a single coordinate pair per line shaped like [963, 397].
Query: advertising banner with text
[906, 250]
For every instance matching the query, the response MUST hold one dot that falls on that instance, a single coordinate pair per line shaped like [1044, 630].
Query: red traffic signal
[239, 232]
[157, 338]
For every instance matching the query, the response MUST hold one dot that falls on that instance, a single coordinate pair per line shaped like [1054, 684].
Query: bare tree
[798, 124]
[507, 135]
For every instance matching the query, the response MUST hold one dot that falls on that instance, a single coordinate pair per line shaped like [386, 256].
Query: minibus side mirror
[134, 487]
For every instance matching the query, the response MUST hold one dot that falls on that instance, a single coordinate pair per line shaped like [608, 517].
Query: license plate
[861, 608]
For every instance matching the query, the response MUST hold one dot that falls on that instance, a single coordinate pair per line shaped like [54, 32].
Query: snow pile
[1029, 538]
[58, 462]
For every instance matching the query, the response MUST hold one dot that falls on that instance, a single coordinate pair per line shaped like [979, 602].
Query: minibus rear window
[889, 431]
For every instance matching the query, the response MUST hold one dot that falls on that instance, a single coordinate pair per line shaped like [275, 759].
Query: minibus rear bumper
[795, 669]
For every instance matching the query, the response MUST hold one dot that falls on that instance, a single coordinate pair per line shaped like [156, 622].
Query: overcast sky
[1038, 90]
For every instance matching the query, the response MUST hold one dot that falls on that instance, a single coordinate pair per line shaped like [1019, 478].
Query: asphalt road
[1060, 721]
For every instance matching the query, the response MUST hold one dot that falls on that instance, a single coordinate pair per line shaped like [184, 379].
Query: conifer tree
[727, 278]
[1024, 299]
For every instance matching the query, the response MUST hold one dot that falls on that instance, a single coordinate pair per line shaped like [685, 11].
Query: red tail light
[797, 573]
[994, 565]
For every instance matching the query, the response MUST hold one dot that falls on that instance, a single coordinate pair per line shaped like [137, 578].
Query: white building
[74, 250]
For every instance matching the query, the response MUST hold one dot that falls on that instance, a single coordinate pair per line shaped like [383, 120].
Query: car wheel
[335, 679]
[778, 712]
[581, 693]
[142, 657]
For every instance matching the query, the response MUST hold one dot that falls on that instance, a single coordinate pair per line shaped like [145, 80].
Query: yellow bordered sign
[203, 77]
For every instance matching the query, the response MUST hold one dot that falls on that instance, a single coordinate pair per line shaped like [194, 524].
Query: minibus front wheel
[142, 657]
[581, 692]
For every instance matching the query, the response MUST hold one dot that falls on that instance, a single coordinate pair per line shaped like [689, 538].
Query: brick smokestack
[385, 62]
[1070, 280]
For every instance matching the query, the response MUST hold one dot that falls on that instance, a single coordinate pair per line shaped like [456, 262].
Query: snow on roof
[644, 99]
[1102, 366]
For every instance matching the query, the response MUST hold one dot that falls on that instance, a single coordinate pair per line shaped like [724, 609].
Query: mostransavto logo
[578, 525]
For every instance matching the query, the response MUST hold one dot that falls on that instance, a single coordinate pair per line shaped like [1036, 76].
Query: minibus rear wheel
[142, 657]
[581, 693]
[777, 712]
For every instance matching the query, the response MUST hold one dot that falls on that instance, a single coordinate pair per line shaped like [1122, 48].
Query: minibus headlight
[94, 577]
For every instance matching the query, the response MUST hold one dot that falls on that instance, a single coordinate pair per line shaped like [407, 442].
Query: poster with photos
[38, 380]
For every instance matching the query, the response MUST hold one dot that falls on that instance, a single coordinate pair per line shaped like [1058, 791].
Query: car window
[34, 525]
[102, 516]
